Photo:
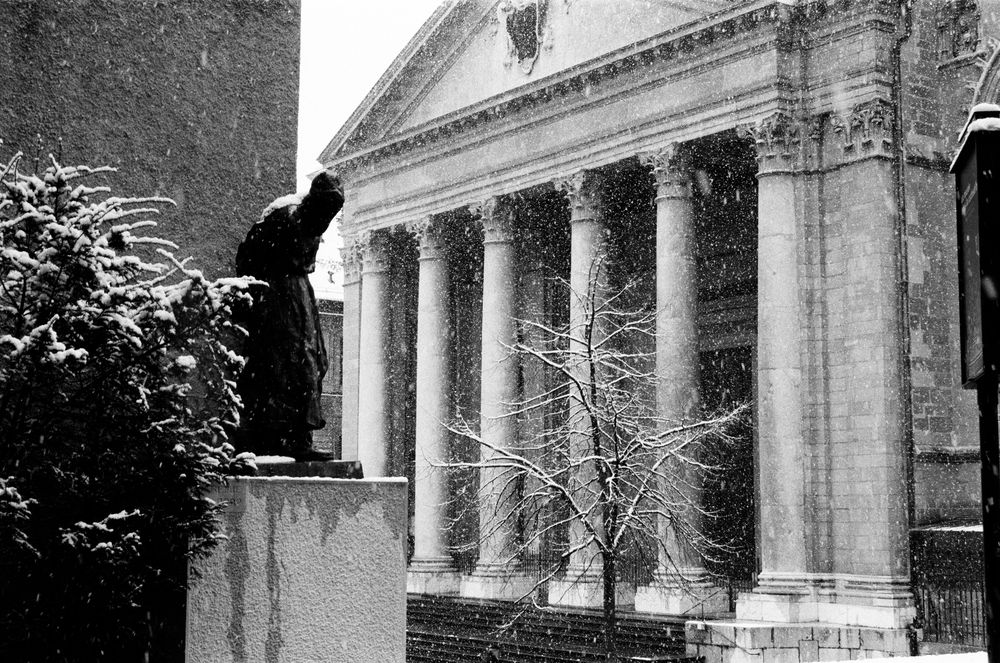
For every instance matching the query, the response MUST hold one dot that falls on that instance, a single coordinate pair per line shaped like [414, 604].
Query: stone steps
[455, 630]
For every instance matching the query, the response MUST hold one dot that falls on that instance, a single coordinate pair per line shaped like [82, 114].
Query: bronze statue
[282, 381]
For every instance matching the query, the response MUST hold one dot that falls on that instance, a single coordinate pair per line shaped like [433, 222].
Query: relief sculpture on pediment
[523, 24]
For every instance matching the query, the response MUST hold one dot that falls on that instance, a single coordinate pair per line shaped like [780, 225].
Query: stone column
[350, 256]
[681, 584]
[783, 583]
[582, 585]
[432, 570]
[496, 576]
[373, 414]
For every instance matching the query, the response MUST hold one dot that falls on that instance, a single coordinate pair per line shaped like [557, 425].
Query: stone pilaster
[582, 585]
[432, 570]
[373, 413]
[496, 575]
[350, 256]
[681, 584]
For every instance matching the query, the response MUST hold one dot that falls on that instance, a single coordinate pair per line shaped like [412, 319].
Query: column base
[691, 594]
[498, 582]
[436, 576]
[870, 601]
[586, 590]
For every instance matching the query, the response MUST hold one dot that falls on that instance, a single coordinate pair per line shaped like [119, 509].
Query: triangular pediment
[473, 51]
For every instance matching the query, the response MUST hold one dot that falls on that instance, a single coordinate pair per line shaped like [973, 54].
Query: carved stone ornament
[957, 28]
[585, 192]
[523, 24]
[373, 246]
[430, 236]
[671, 169]
[778, 141]
[867, 130]
[350, 258]
[497, 217]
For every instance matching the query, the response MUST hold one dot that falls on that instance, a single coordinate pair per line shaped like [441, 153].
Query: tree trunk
[610, 608]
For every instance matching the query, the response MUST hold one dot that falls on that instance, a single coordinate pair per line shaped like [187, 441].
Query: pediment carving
[523, 23]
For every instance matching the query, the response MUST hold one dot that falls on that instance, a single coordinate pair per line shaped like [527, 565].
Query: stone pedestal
[497, 582]
[585, 589]
[762, 642]
[432, 576]
[311, 569]
[667, 595]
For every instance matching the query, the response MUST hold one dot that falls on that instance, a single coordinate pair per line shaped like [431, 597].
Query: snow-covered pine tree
[116, 394]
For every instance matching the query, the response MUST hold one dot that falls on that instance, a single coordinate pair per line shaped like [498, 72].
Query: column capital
[671, 166]
[865, 131]
[784, 143]
[585, 191]
[497, 217]
[350, 257]
[429, 232]
[373, 246]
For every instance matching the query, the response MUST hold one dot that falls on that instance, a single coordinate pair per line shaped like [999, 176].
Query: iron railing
[952, 614]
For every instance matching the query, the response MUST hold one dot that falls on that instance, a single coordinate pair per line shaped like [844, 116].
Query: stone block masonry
[759, 642]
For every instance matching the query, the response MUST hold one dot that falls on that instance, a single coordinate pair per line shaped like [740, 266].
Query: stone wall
[190, 100]
[312, 569]
[748, 642]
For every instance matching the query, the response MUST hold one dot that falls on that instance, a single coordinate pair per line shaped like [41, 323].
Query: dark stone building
[191, 100]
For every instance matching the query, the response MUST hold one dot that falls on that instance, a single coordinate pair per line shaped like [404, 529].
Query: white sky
[346, 46]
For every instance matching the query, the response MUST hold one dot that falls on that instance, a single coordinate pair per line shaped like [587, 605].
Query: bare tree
[606, 465]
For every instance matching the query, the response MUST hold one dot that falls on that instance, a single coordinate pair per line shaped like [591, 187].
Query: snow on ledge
[984, 124]
[273, 460]
[973, 657]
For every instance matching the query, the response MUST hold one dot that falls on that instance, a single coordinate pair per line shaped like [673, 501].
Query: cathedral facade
[774, 174]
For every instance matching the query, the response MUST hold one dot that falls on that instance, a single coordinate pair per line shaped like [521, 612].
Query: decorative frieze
[678, 46]
[866, 131]
[373, 246]
[671, 169]
[584, 189]
[430, 237]
[497, 217]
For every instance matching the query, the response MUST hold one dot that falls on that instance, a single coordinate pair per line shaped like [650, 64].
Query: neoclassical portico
[776, 214]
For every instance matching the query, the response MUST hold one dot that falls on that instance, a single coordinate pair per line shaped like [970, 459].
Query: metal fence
[952, 614]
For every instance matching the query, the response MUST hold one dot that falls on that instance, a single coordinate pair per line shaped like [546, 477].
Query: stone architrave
[583, 585]
[496, 575]
[373, 413]
[350, 256]
[681, 585]
[432, 569]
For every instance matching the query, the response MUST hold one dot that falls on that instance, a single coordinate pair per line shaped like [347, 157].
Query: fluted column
[495, 575]
[373, 415]
[680, 583]
[582, 585]
[432, 570]
[350, 256]
[781, 444]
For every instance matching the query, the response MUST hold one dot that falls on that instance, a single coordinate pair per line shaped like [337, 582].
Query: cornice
[675, 45]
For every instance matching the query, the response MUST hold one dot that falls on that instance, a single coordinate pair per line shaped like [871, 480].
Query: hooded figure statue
[282, 381]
